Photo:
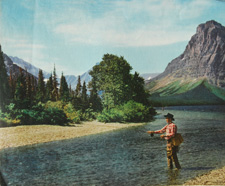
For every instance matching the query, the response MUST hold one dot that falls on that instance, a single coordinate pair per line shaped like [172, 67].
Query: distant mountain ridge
[12, 67]
[15, 62]
[29, 67]
[200, 66]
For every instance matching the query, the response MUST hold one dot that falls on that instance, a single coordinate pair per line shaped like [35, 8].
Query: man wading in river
[171, 130]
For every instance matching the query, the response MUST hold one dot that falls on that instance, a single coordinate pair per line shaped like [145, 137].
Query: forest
[113, 95]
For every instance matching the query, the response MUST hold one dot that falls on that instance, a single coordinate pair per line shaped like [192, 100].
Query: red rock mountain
[204, 57]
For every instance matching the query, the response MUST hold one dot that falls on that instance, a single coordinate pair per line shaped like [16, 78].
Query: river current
[124, 157]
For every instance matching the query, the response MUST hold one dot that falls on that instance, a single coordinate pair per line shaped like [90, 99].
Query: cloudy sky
[75, 34]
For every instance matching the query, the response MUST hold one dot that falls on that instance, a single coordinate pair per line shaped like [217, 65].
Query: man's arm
[158, 131]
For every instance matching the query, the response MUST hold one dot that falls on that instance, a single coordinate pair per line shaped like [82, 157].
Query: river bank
[214, 177]
[34, 134]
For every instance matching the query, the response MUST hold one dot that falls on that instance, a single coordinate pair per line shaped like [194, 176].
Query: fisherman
[171, 130]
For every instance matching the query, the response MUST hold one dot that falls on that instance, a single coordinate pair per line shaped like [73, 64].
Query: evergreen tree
[95, 100]
[33, 86]
[84, 97]
[64, 90]
[49, 89]
[55, 86]
[12, 85]
[4, 83]
[137, 87]
[28, 88]
[40, 94]
[78, 88]
[20, 92]
[71, 92]
[77, 101]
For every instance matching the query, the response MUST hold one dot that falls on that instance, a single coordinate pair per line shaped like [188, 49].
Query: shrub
[38, 114]
[55, 104]
[129, 112]
[89, 115]
[72, 114]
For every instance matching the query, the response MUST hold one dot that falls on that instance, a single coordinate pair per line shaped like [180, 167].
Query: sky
[75, 34]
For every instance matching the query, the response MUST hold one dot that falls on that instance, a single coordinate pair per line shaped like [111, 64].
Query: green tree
[55, 86]
[28, 87]
[84, 97]
[49, 89]
[77, 101]
[113, 79]
[63, 90]
[139, 94]
[12, 85]
[33, 86]
[78, 88]
[4, 83]
[40, 94]
[20, 92]
[95, 100]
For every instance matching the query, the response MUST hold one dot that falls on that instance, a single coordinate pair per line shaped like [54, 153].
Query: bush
[38, 114]
[112, 115]
[72, 114]
[54, 104]
[89, 115]
[129, 112]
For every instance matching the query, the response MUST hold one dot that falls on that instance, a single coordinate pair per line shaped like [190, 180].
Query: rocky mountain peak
[209, 25]
[204, 56]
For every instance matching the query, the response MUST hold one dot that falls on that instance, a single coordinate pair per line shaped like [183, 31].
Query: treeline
[115, 95]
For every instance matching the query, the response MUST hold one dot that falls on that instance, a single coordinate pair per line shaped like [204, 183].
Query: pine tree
[84, 97]
[20, 92]
[40, 95]
[4, 83]
[49, 89]
[64, 90]
[55, 86]
[78, 88]
[12, 85]
[33, 86]
[77, 102]
[138, 91]
[95, 100]
[28, 88]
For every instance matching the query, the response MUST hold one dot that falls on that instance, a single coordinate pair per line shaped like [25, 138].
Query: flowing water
[124, 157]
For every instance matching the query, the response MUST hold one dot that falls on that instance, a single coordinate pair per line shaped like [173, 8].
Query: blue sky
[75, 34]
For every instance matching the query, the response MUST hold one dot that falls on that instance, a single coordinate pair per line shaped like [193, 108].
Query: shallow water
[124, 157]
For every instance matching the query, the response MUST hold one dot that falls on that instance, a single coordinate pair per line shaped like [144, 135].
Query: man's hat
[169, 116]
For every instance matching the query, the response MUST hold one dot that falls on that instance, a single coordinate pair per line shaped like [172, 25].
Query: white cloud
[132, 23]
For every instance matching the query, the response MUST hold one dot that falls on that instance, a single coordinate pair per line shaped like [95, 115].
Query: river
[124, 157]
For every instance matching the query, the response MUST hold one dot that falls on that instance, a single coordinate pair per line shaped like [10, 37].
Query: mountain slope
[71, 79]
[29, 67]
[198, 93]
[13, 68]
[198, 75]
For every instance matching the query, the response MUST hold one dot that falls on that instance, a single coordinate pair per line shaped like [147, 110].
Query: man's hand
[162, 136]
[150, 132]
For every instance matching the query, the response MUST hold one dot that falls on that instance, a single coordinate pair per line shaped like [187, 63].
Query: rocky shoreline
[214, 177]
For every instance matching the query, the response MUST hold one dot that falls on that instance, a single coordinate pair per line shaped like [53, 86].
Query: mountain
[29, 67]
[14, 68]
[200, 68]
[149, 76]
[18, 62]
